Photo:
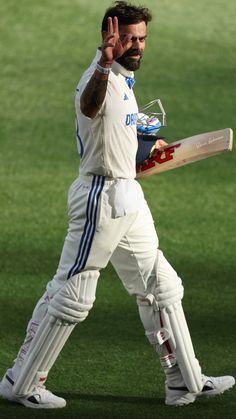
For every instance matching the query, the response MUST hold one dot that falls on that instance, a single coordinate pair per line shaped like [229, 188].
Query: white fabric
[108, 216]
[32, 327]
[174, 316]
[165, 325]
[169, 287]
[129, 241]
[67, 307]
[108, 143]
[125, 197]
[167, 330]
[44, 349]
[75, 299]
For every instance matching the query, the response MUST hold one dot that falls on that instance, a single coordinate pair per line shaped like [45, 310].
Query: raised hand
[112, 46]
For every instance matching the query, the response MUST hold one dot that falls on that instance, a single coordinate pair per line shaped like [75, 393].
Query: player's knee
[75, 299]
[169, 288]
[170, 293]
[166, 292]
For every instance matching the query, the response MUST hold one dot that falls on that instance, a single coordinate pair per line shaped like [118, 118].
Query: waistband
[106, 180]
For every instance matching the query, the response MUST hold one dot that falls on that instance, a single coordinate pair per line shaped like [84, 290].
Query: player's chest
[122, 105]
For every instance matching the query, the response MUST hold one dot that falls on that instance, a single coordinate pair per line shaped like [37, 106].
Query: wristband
[103, 70]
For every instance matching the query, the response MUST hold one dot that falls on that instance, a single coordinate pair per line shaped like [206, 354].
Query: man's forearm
[94, 93]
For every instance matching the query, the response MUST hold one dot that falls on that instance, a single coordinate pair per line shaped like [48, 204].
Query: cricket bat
[188, 150]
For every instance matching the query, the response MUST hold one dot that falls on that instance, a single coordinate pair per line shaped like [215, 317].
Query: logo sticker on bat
[160, 157]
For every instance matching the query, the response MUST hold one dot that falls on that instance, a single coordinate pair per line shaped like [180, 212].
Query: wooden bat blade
[186, 151]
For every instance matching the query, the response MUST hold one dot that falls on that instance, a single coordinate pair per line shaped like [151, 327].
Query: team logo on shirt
[131, 119]
[125, 97]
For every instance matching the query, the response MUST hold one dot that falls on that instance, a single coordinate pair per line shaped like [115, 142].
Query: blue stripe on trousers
[90, 225]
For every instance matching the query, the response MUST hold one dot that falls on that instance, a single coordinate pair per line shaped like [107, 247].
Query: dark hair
[127, 14]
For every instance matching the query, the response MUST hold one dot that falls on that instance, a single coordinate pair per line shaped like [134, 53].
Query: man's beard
[127, 62]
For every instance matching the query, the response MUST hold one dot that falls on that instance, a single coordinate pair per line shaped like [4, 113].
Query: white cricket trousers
[109, 220]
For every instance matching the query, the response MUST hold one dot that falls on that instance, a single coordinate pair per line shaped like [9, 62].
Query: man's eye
[142, 38]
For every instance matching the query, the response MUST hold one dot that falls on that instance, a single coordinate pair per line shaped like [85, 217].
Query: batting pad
[173, 315]
[47, 344]
[69, 306]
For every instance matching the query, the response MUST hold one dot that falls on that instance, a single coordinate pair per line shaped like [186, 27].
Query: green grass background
[108, 369]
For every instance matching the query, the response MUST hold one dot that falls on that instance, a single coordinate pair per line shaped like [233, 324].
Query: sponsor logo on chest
[131, 119]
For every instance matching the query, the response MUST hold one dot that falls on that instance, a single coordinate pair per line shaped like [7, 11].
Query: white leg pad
[188, 364]
[69, 306]
[165, 326]
[45, 347]
[167, 330]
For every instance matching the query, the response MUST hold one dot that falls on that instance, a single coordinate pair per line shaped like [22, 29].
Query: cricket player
[109, 220]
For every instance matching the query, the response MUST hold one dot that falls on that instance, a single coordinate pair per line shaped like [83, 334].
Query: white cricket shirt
[108, 143]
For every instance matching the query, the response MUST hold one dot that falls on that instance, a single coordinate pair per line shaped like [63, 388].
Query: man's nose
[136, 44]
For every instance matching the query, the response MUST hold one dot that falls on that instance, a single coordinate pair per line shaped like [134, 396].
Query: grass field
[108, 370]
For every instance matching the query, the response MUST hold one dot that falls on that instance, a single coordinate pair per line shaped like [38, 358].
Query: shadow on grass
[113, 399]
[90, 406]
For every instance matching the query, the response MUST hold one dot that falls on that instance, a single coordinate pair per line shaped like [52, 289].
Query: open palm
[112, 46]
